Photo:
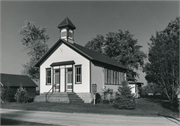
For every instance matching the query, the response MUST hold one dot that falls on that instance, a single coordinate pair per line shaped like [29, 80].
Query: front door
[57, 80]
[69, 79]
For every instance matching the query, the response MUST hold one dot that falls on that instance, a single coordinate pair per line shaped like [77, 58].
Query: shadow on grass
[165, 104]
[5, 121]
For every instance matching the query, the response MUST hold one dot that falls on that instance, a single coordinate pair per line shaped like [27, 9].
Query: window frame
[64, 33]
[112, 77]
[48, 69]
[80, 75]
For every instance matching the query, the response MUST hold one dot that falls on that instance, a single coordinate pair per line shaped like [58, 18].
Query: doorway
[69, 79]
[57, 80]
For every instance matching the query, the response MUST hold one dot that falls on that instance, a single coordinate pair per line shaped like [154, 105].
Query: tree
[34, 39]
[120, 46]
[163, 66]
[124, 99]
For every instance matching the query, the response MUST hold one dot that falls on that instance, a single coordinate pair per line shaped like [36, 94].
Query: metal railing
[49, 92]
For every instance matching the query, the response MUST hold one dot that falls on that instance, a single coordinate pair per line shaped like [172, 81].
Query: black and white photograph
[90, 63]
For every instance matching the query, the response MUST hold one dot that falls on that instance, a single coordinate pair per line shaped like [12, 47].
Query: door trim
[59, 79]
[66, 90]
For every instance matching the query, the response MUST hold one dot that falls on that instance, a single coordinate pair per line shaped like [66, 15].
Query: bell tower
[67, 30]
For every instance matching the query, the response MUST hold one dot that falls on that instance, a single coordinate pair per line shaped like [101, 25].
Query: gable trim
[54, 47]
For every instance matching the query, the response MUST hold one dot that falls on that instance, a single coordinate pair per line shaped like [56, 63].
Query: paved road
[77, 119]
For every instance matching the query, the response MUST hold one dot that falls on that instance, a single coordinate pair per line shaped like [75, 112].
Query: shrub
[30, 100]
[37, 92]
[124, 99]
[21, 95]
[7, 93]
[98, 98]
[106, 93]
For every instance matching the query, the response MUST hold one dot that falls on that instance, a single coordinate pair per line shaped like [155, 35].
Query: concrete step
[74, 98]
[60, 97]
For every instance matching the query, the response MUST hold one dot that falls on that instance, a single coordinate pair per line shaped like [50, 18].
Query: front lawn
[144, 107]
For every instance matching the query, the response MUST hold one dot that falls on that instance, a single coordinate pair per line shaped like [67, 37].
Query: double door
[68, 79]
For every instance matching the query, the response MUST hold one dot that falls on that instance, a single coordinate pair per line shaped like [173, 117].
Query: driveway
[77, 119]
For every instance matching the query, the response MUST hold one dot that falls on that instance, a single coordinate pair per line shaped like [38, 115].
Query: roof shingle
[89, 54]
[65, 23]
[15, 80]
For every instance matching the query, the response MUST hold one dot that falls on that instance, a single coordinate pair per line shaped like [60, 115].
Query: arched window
[70, 34]
[63, 33]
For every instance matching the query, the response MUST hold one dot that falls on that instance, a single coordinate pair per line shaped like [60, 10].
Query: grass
[17, 122]
[144, 107]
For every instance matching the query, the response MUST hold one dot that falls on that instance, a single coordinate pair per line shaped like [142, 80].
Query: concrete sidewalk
[78, 119]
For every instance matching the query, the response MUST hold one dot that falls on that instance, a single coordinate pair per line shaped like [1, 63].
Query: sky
[91, 18]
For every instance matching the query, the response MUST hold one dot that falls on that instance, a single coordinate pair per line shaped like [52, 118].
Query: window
[105, 76]
[116, 78]
[70, 34]
[63, 33]
[69, 75]
[112, 77]
[109, 77]
[119, 76]
[78, 74]
[48, 76]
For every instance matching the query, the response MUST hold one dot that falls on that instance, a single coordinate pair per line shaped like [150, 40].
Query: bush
[107, 94]
[38, 92]
[98, 98]
[124, 99]
[7, 94]
[21, 95]
[30, 99]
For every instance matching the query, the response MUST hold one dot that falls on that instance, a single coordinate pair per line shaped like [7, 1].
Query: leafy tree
[120, 46]
[34, 39]
[163, 66]
[124, 99]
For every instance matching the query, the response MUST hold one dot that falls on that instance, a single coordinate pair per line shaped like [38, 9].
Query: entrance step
[74, 98]
[60, 97]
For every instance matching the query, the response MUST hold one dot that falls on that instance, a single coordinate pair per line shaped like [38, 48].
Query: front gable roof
[87, 53]
[15, 80]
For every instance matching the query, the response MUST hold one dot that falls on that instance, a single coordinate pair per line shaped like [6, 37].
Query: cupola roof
[66, 23]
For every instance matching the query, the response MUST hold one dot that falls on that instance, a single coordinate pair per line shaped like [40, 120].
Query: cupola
[67, 30]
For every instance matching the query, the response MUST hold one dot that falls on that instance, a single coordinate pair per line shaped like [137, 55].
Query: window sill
[78, 82]
[112, 84]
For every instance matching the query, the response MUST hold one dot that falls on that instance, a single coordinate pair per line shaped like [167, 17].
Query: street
[78, 119]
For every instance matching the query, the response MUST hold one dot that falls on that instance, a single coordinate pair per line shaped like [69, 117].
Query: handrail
[49, 91]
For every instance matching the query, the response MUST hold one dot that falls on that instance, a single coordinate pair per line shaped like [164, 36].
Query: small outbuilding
[14, 81]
